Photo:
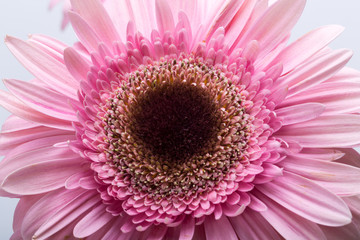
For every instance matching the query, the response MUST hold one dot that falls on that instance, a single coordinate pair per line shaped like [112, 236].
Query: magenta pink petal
[219, 229]
[187, 229]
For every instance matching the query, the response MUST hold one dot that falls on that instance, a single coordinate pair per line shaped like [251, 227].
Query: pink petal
[300, 113]
[44, 67]
[339, 178]
[306, 46]
[41, 177]
[15, 106]
[338, 97]
[35, 151]
[324, 131]
[317, 71]
[157, 232]
[288, 224]
[92, 222]
[84, 32]
[11, 140]
[76, 64]
[324, 154]
[41, 99]
[307, 199]
[219, 229]
[251, 225]
[187, 229]
[274, 24]
[67, 214]
[94, 13]
[41, 211]
[164, 17]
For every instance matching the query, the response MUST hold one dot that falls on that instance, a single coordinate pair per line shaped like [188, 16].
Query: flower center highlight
[174, 130]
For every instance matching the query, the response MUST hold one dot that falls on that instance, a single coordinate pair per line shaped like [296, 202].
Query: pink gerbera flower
[183, 120]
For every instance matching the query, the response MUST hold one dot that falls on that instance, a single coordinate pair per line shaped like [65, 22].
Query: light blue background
[22, 17]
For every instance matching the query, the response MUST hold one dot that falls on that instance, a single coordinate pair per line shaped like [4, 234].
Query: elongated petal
[339, 178]
[41, 99]
[93, 221]
[251, 225]
[318, 71]
[307, 199]
[300, 113]
[219, 229]
[164, 16]
[338, 97]
[40, 212]
[67, 214]
[305, 47]
[44, 67]
[95, 14]
[76, 64]
[16, 107]
[325, 131]
[288, 224]
[275, 24]
[84, 32]
[41, 177]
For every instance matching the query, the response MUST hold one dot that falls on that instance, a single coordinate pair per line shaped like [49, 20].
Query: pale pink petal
[31, 152]
[306, 46]
[84, 32]
[11, 140]
[41, 177]
[41, 99]
[44, 67]
[324, 131]
[323, 154]
[16, 107]
[41, 211]
[317, 71]
[219, 229]
[288, 224]
[275, 24]
[307, 199]
[94, 13]
[66, 215]
[338, 97]
[93, 221]
[300, 113]
[76, 64]
[339, 178]
[164, 16]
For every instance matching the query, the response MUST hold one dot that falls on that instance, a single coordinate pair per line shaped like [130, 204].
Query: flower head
[187, 120]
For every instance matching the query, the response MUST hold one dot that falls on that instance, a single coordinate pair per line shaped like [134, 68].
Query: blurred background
[23, 17]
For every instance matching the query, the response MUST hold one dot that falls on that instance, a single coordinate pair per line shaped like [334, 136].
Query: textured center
[174, 120]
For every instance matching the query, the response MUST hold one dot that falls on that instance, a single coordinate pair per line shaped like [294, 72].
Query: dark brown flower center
[174, 120]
